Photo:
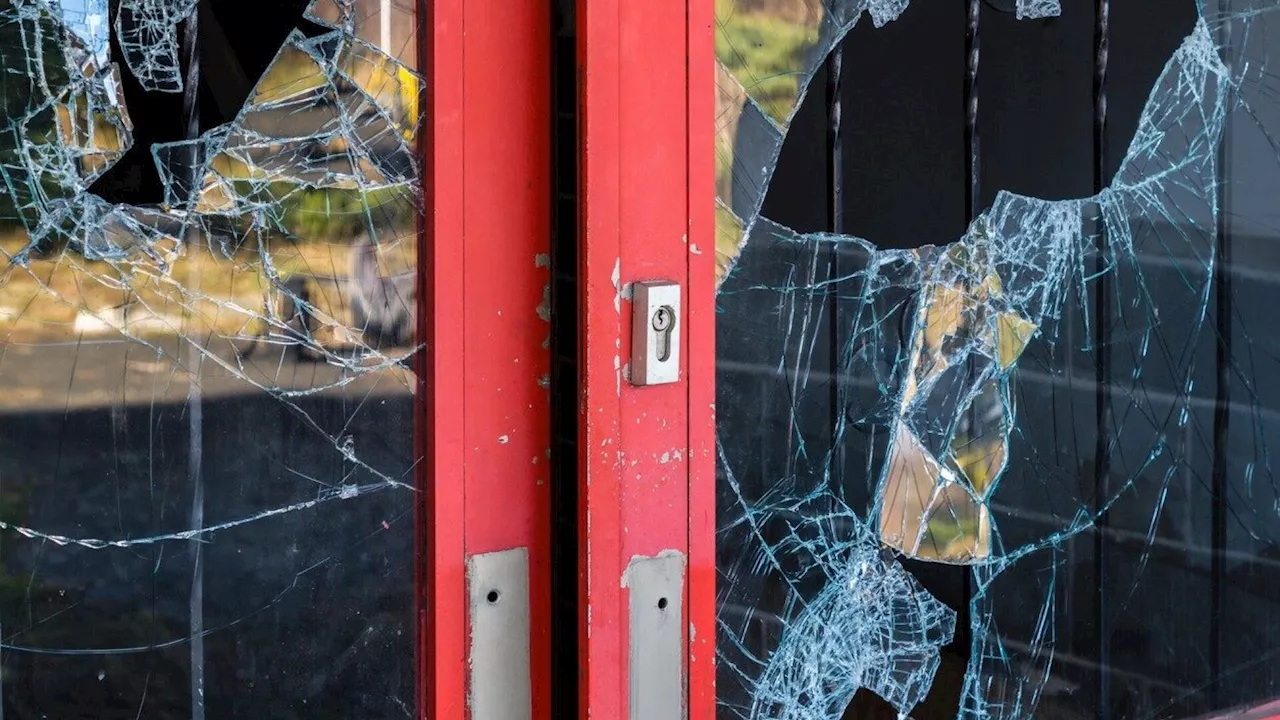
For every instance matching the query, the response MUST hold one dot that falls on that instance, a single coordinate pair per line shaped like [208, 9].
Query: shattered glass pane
[1028, 9]
[147, 31]
[998, 350]
[208, 243]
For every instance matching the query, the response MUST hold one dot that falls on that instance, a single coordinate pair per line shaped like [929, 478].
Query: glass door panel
[208, 315]
[992, 390]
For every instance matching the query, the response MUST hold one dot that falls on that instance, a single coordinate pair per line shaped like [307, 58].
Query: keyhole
[664, 321]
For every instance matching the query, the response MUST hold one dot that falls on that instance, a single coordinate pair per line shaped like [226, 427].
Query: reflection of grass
[950, 529]
[953, 536]
[334, 213]
[315, 212]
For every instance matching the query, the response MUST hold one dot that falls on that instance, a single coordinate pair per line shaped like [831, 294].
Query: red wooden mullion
[601, 668]
[486, 413]
[442, 687]
[507, 207]
[646, 452]
[700, 342]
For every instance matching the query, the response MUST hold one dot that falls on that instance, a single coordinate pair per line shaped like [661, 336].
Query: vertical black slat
[903, 147]
[904, 162]
[973, 194]
[973, 206]
[904, 177]
[1102, 367]
[195, 402]
[1035, 120]
[564, 376]
[835, 144]
[835, 220]
[1222, 403]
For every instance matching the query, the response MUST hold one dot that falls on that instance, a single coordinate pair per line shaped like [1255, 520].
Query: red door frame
[484, 432]
[646, 453]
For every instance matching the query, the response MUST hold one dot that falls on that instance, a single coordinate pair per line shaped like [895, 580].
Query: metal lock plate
[656, 660]
[498, 585]
[655, 332]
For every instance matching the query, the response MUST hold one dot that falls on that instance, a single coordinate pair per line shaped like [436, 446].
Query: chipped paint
[637, 559]
[544, 308]
[616, 278]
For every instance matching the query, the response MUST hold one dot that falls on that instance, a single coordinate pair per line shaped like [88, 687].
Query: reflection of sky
[88, 20]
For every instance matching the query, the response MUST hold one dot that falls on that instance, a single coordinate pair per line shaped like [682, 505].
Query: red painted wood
[648, 465]
[485, 425]
[507, 215]
[444, 652]
[602, 670]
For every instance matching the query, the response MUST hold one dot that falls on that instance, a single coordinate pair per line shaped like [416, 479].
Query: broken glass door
[208, 313]
[995, 371]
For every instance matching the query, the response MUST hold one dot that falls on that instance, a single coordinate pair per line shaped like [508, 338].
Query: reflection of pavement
[120, 372]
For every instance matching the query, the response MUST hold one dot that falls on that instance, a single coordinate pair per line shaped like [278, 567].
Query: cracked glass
[995, 375]
[208, 251]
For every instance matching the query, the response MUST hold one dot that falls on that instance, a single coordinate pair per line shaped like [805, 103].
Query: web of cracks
[940, 352]
[327, 136]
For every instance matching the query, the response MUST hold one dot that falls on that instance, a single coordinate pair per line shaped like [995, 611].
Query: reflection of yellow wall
[730, 99]
[410, 91]
[728, 239]
[935, 506]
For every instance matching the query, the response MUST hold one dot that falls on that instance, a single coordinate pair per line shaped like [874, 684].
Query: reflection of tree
[17, 94]
[308, 212]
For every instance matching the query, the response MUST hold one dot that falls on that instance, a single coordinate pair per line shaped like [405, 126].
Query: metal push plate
[655, 332]
[498, 588]
[657, 636]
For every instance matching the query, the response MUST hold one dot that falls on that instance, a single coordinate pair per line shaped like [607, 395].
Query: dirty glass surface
[207, 327]
[996, 385]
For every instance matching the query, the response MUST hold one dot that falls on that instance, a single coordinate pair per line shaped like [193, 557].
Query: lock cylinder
[655, 335]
